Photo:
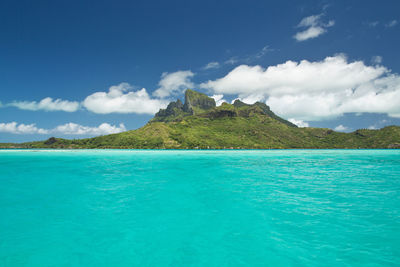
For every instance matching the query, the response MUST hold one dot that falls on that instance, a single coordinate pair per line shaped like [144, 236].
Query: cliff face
[195, 103]
[173, 110]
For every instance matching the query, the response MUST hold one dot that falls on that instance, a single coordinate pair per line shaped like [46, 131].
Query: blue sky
[328, 64]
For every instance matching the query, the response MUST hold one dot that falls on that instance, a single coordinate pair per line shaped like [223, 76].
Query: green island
[199, 124]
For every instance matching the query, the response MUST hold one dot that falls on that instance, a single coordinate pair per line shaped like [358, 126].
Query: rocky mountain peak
[195, 101]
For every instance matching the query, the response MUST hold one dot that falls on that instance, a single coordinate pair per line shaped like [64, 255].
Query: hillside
[198, 123]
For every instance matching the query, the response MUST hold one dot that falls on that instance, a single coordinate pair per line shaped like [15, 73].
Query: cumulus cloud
[65, 129]
[76, 129]
[315, 90]
[211, 65]
[47, 104]
[122, 99]
[299, 123]
[341, 128]
[219, 99]
[174, 83]
[314, 27]
[249, 99]
[15, 128]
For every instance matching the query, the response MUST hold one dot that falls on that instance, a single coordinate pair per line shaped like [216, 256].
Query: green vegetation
[200, 124]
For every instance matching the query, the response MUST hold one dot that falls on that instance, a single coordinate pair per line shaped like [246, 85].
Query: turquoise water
[200, 208]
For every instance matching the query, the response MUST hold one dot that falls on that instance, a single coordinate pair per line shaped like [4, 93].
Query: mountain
[199, 123]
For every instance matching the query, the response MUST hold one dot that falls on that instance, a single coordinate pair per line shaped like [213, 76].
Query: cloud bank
[76, 129]
[15, 128]
[314, 27]
[47, 104]
[317, 90]
[65, 129]
[122, 99]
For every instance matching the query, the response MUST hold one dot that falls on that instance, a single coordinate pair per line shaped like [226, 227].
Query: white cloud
[212, 65]
[219, 99]
[377, 59]
[65, 129]
[174, 83]
[310, 33]
[314, 27]
[315, 90]
[372, 127]
[76, 129]
[47, 104]
[341, 128]
[250, 99]
[392, 23]
[15, 128]
[310, 21]
[120, 99]
[299, 123]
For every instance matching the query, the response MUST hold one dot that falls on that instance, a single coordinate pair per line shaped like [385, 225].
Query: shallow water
[200, 208]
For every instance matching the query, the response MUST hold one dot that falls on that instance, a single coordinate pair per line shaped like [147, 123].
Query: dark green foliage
[50, 141]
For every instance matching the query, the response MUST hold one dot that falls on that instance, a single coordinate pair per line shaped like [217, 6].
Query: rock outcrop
[195, 102]
[173, 109]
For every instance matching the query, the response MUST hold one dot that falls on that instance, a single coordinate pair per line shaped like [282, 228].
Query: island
[199, 123]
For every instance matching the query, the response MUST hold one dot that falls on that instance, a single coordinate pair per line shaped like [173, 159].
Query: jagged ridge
[195, 103]
[200, 104]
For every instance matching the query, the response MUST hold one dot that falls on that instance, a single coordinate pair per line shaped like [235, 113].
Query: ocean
[200, 208]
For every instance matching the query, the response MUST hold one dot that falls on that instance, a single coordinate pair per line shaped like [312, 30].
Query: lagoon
[199, 208]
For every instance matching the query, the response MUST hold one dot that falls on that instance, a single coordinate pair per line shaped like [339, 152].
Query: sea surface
[200, 208]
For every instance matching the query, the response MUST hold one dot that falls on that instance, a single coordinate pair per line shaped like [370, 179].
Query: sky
[76, 69]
